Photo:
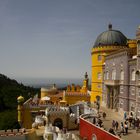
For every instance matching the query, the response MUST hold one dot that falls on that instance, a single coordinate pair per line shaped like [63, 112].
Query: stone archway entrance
[112, 97]
[58, 122]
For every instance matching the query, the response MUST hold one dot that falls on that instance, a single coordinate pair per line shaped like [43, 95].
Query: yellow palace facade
[106, 43]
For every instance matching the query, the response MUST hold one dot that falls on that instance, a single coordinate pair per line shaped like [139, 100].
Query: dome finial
[110, 26]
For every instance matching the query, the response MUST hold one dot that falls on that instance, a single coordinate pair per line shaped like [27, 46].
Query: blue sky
[53, 38]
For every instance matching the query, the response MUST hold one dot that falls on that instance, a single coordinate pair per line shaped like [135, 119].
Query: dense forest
[9, 91]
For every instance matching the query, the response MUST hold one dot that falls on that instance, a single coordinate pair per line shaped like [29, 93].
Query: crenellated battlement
[12, 132]
[76, 94]
[58, 112]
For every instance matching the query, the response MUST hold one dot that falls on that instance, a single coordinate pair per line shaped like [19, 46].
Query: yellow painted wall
[27, 118]
[96, 85]
[43, 94]
[132, 43]
[74, 99]
[97, 67]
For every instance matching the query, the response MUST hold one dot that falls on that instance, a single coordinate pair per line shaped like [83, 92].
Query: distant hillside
[9, 91]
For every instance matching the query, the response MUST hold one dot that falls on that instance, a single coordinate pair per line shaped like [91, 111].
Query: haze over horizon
[53, 38]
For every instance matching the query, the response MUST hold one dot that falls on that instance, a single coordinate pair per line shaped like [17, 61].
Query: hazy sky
[53, 38]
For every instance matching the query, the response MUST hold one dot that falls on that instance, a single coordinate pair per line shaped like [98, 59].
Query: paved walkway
[112, 115]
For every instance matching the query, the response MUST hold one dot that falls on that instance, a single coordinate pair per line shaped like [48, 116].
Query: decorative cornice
[121, 52]
[106, 49]
[77, 94]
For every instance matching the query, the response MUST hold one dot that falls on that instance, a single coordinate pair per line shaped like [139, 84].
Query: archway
[98, 98]
[94, 137]
[98, 102]
[58, 122]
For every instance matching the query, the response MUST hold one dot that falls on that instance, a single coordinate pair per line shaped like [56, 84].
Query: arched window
[104, 76]
[113, 74]
[139, 76]
[99, 57]
[99, 76]
[132, 107]
[107, 75]
[121, 104]
[122, 75]
[94, 137]
[133, 75]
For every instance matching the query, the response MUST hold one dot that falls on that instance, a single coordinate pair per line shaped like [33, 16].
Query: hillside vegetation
[9, 91]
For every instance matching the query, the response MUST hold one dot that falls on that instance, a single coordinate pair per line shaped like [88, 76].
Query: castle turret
[20, 101]
[63, 102]
[106, 43]
[86, 80]
[68, 88]
[73, 88]
[85, 84]
[78, 88]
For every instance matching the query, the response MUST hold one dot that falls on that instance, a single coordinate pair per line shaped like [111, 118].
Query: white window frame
[113, 74]
[107, 75]
[122, 75]
[133, 77]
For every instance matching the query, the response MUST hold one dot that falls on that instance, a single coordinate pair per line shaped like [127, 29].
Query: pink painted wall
[87, 129]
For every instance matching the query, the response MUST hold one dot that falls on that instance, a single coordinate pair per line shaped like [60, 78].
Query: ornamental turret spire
[110, 26]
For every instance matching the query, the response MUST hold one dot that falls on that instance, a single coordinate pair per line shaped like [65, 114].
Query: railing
[121, 81]
[112, 82]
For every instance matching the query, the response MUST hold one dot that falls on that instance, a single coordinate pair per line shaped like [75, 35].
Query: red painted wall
[87, 129]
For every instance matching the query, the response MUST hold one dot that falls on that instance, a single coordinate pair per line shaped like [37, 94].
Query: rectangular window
[133, 75]
[122, 75]
[121, 104]
[139, 92]
[121, 89]
[139, 112]
[133, 91]
[107, 75]
[99, 57]
[104, 87]
[99, 75]
[139, 76]
[99, 86]
[113, 74]
[104, 76]
[132, 108]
